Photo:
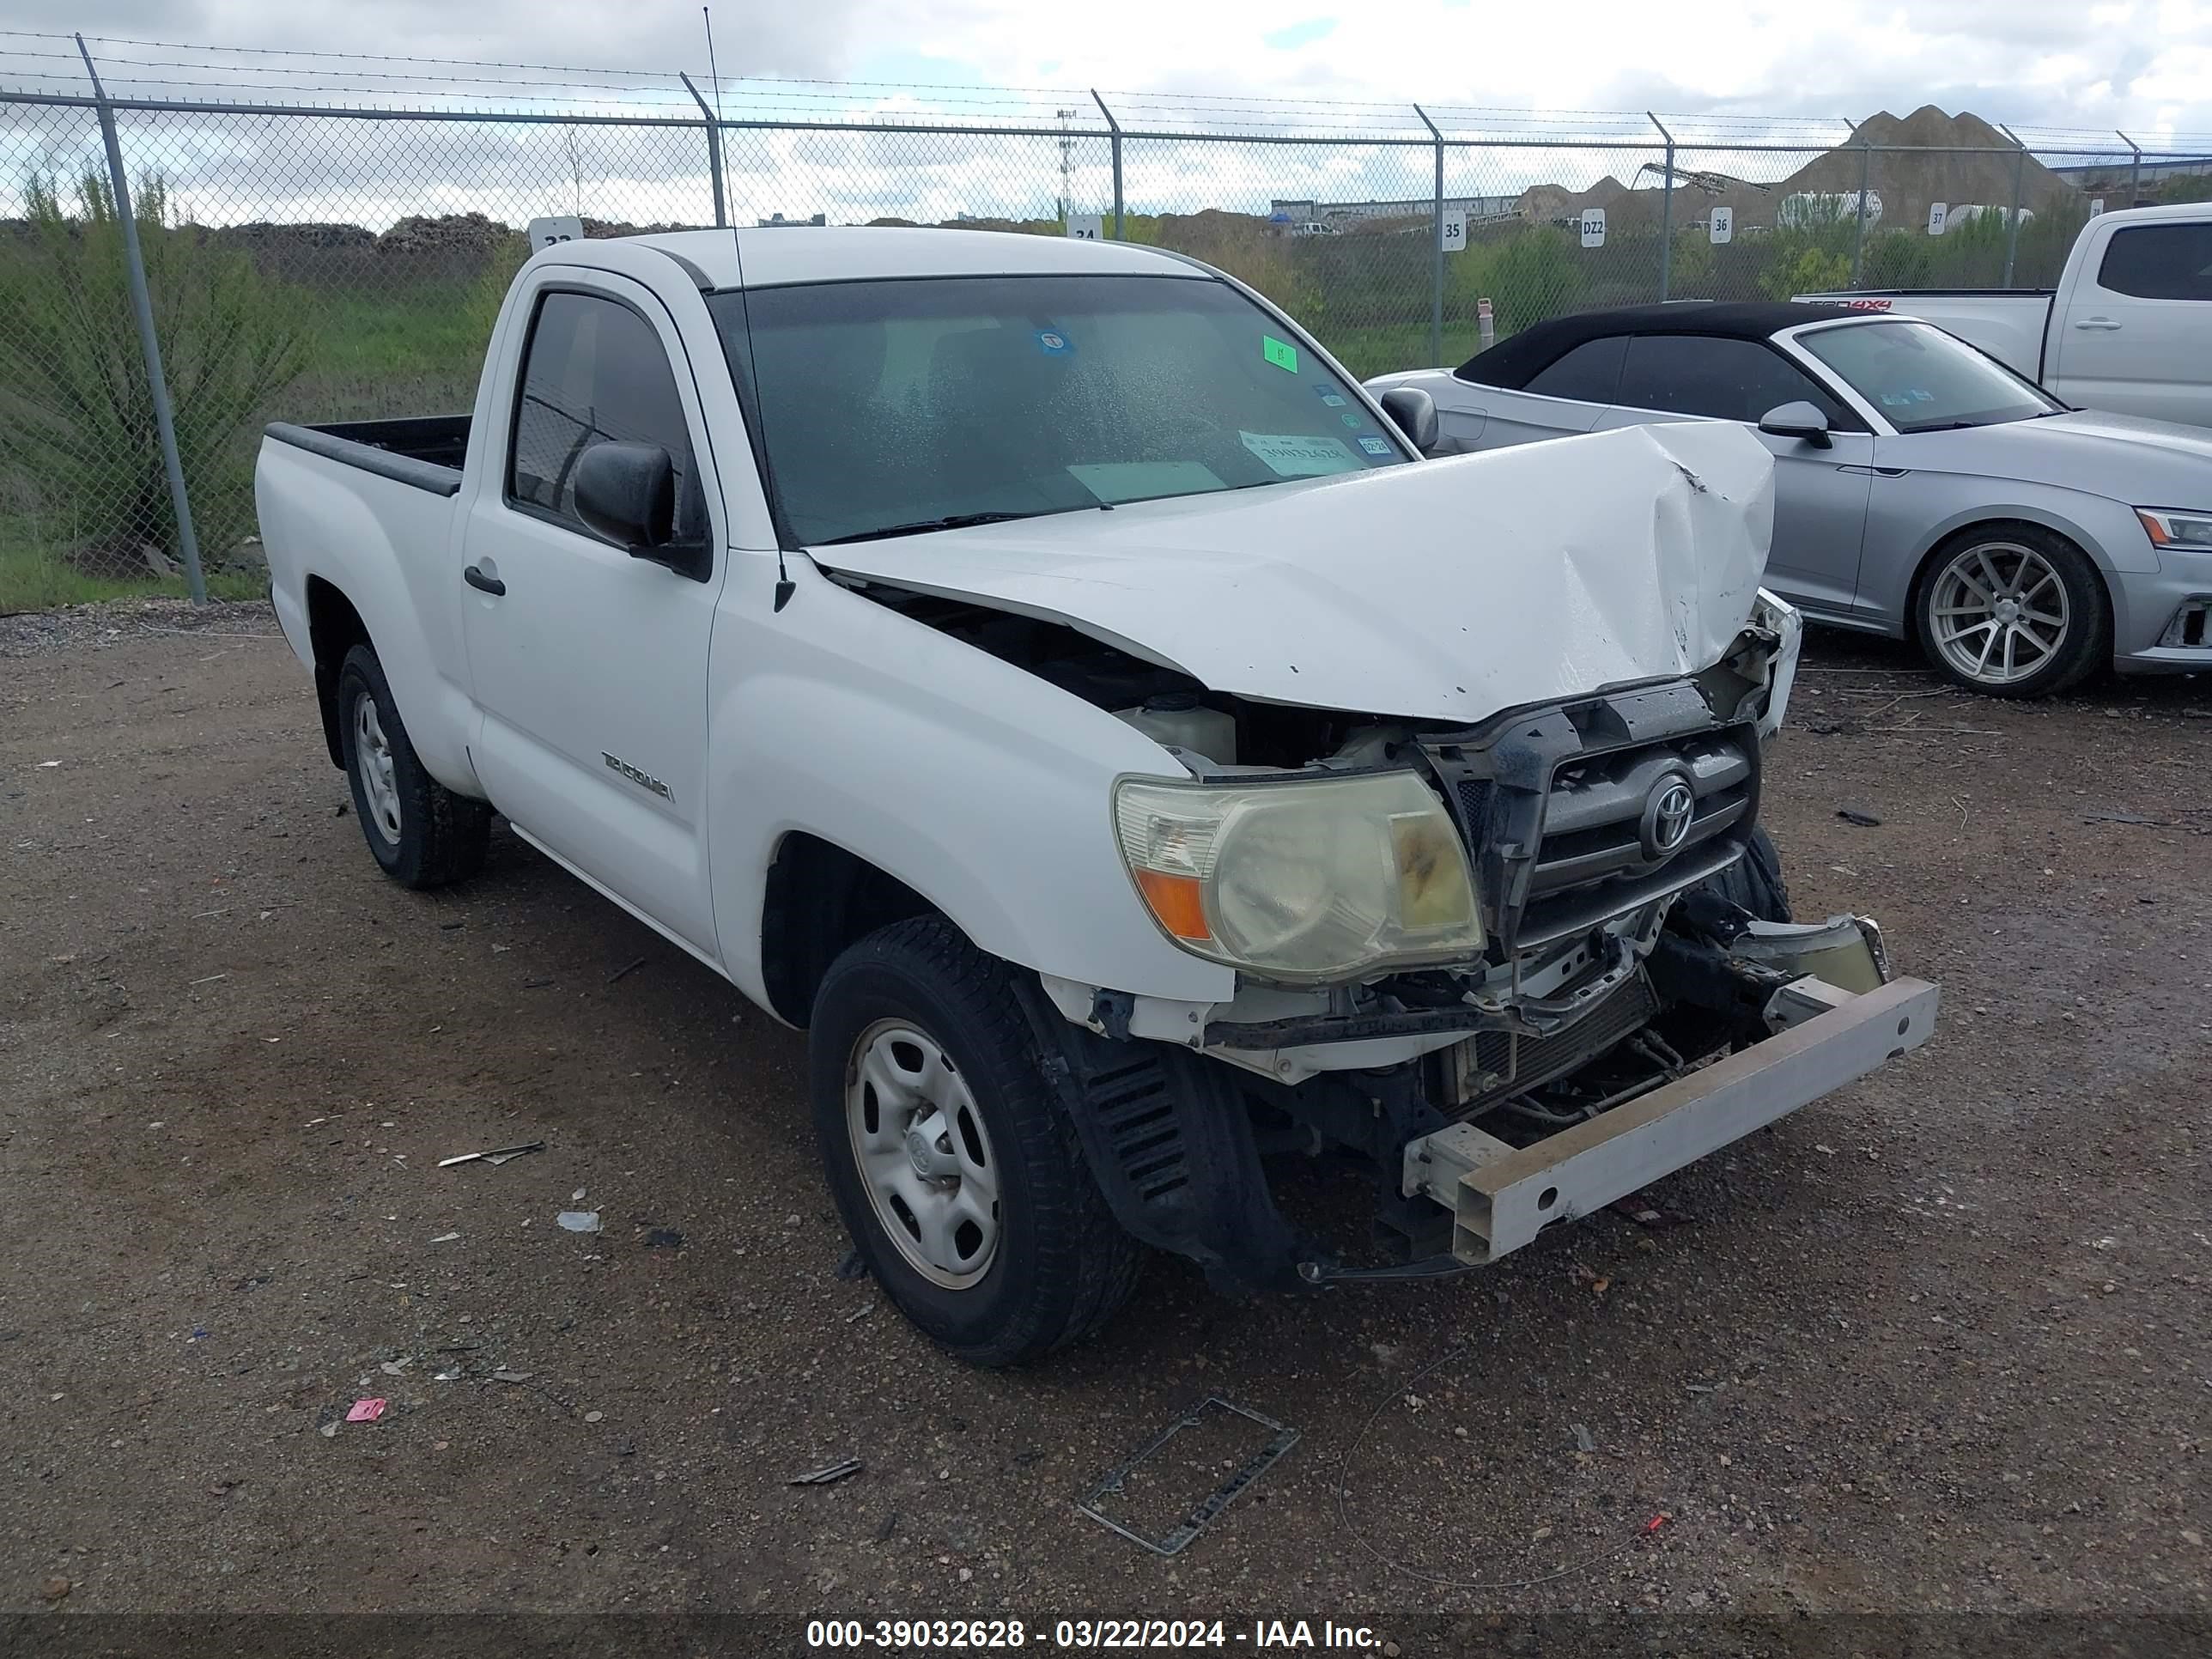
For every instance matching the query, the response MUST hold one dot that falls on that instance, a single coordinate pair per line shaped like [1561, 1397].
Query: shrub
[76, 413]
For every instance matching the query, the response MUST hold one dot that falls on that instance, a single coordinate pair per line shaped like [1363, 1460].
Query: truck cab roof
[788, 254]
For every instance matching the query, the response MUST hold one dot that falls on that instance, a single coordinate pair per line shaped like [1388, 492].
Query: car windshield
[1923, 380]
[924, 403]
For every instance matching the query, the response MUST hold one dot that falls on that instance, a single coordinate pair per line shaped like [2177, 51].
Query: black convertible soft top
[1512, 362]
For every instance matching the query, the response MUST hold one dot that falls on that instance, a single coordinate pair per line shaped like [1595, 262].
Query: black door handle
[483, 584]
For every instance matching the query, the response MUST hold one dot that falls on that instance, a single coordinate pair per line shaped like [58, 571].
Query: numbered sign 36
[1451, 230]
[1720, 228]
[1593, 227]
[1085, 227]
[1939, 214]
[544, 232]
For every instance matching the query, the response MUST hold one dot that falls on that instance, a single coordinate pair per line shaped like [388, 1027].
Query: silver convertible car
[1921, 487]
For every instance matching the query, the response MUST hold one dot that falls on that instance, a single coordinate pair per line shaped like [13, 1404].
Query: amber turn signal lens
[1176, 901]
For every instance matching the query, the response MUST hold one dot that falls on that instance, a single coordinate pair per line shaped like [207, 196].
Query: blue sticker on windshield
[1054, 344]
[1349, 418]
[1375, 446]
[1329, 398]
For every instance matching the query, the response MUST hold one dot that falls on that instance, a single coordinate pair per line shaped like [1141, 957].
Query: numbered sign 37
[1451, 230]
[544, 232]
[1720, 228]
[1939, 214]
[1085, 227]
[1593, 227]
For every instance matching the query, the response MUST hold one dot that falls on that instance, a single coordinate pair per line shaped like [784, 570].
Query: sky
[2138, 63]
[1711, 67]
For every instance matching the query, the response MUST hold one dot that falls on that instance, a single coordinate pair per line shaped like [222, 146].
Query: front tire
[956, 1172]
[2012, 611]
[422, 833]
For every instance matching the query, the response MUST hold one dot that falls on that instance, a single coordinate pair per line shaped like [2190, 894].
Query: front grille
[1557, 807]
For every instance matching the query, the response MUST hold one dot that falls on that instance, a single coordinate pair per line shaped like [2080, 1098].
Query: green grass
[35, 578]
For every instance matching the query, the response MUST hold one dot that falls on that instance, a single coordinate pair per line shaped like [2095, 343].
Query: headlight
[1771, 611]
[1302, 880]
[2170, 528]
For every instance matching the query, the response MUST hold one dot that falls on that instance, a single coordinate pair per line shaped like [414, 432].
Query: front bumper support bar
[1501, 1196]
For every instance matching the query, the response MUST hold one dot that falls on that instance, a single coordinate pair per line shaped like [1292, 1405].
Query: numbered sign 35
[544, 232]
[1593, 227]
[1720, 228]
[1451, 230]
[1085, 227]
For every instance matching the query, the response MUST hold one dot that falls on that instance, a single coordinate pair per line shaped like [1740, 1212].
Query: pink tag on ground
[366, 1410]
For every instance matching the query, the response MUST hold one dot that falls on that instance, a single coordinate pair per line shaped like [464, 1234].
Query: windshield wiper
[958, 521]
[923, 527]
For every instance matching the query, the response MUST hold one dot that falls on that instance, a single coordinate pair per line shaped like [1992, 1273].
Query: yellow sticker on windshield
[1279, 353]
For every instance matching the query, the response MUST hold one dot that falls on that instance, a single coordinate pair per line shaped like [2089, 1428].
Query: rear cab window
[2158, 262]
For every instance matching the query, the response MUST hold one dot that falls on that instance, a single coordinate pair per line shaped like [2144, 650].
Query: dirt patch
[1936, 1342]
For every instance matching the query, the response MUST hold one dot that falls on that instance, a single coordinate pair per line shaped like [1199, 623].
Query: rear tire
[2011, 610]
[956, 1170]
[422, 833]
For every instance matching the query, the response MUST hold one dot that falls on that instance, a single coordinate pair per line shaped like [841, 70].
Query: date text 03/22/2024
[1260, 1635]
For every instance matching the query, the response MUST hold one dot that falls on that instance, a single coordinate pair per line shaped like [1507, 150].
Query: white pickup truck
[1037, 669]
[2128, 329]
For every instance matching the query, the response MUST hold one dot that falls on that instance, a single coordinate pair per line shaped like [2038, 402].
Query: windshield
[921, 403]
[1924, 380]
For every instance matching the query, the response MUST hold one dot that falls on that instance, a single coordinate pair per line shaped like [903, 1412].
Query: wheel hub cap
[922, 1153]
[373, 764]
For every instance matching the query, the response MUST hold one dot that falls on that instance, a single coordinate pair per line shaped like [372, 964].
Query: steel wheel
[372, 759]
[1998, 613]
[924, 1157]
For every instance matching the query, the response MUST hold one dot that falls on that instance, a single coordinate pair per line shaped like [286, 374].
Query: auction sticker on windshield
[1292, 456]
[1279, 353]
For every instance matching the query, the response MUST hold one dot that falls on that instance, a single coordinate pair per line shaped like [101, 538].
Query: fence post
[1858, 227]
[713, 150]
[1113, 128]
[2019, 182]
[142, 307]
[1666, 209]
[1435, 247]
[2135, 168]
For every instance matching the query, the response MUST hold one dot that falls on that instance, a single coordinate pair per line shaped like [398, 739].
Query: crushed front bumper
[1502, 1196]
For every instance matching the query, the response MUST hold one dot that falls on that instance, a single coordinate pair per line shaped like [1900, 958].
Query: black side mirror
[1413, 412]
[627, 492]
[1798, 420]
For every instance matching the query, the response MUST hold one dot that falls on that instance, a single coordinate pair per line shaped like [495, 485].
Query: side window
[2158, 262]
[1731, 379]
[593, 372]
[1588, 373]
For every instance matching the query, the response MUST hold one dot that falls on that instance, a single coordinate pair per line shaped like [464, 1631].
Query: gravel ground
[1935, 1343]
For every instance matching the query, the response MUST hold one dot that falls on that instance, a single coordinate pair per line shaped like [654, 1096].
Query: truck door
[589, 665]
[2135, 334]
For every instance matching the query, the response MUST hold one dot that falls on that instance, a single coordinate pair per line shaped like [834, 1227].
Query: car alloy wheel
[1998, 613]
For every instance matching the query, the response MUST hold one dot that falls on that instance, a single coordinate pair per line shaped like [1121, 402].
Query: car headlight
[1301, 879]
[2176, 528]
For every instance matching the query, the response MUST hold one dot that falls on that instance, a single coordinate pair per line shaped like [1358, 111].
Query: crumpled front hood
[1445, 591]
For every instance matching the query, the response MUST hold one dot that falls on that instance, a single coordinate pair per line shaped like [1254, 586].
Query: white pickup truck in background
[1034, 668]
[2128, 329]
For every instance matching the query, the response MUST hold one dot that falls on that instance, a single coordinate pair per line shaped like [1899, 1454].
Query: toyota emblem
[1668, 811]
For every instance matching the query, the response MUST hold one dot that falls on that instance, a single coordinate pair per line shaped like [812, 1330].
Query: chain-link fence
[306, 262]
